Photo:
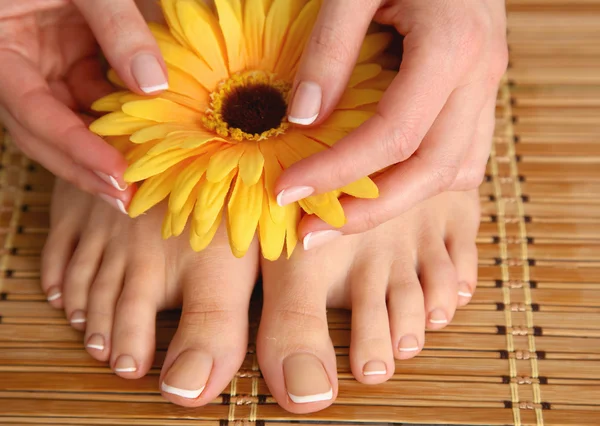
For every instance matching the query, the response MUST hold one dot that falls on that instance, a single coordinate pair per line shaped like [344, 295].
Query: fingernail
[95, 341]
[319, 238]
[112, 181]
[148, 73]
[408, 343]
[180, 382]
[125, 364]
[116, 203]
[293, 194]
[78, 317]
[464, 290]
[437, 316]
[375, 368]
[305, 379]
[53, 294]
[306, 104]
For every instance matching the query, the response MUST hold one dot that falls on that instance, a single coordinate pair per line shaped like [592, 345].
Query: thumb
[127, 43]
[329, 57]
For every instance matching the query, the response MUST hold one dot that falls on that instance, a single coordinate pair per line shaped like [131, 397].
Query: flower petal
[362, 188]
[354, 98]
[179, 219]
[223, 162]
[270, 234]
[170, 13]
[199, 106]
[211, 198]
[292, 219]
[363, 72]
[199, 241]
[346, 119]
[325, 135]
[187, 180]
[148, 165]
[161, 111]
[251, 164]
[160, 32]
[381, 82]
[182, 83]
[118, 123]
[153, 191]
[373, 45]
[234, 36]
[279, 18]
[159, 131]
[109, 103]
[244, 210]
[330, 210]
[272, 172]
[254, 26]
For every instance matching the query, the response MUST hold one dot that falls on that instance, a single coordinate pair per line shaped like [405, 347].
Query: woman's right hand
[51, 68]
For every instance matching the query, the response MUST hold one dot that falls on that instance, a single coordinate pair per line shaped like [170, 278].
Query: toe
[133, 333]
[439, 282]
[56, 255]
[212, 337]
[294, 349]
[371, 353]
[406, 309]
[464, 258]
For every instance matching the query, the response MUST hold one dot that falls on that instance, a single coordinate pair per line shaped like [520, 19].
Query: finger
[431, 170]
[87, 83]
[329, 57]
[29, 101]
[127, 43]
[472, 171]
[404, 115]
[11, 9]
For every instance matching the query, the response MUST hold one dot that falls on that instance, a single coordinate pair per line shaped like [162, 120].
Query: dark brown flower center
[254, 109]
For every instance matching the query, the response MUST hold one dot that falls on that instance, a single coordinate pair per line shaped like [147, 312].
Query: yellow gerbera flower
[218, 137]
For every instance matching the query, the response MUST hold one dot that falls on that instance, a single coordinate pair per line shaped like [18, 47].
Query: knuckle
[326, 42]
[443, 176]
[207, 317]
[400, 143]
[304, 317]
[472, 178]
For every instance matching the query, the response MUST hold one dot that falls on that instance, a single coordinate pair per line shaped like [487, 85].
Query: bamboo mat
[526, 351]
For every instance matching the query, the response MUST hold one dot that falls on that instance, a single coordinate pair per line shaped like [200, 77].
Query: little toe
[56, 255]
[371, 352]
[406, 309]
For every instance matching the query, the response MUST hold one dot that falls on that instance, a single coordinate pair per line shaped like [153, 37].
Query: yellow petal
[109, 103]
[354, 98]
[183, 139]
[121, 143]
[381, 82]
[279, 18]
[346, 119]
[211, 198]
[325, 135]
[115, 79]
[234, 37]
[118, 123]
[203, 34]
[362, 188]
[296, 40]
[362, 73]
[160, 32]
[244, 209]
[167, 144]
[180, 218]
[270, 234]
[254, 25]
[303, 145]
[161, 111]
[200, 241]
[166, 231]
[236, 5]
[159, 131]
[373, 45]
[153, 191]
[170, 13]
[272, 172]
[187, 180]
[251, 164]
[330, 211]
[292, 219]
[182, 83]
[199, 106]
[223, 162]
[152, 165]
[138, 151]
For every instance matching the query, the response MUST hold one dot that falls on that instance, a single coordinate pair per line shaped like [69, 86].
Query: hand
[51, 68]
[433, 125]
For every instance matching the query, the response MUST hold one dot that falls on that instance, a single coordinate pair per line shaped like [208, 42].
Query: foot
[112, 274]
[399, 279]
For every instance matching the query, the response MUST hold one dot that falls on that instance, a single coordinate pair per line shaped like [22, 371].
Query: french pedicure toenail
[115, 202]
[375, 368]
[306, 379]
[95, 341]
[408, 344]
[125, 364]
[178, 381]
[306, 104]
[111, 180]
[293, 194]
[53, 294]
[464, 290]
[78, 317]
[437, 316]
[319, 238]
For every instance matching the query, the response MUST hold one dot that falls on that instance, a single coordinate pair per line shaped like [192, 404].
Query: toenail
[437, 316]
[125, 364]
[95, 341]
[408, 344]
[464, 290]
[306, 379]
[319, 238]
[53, 294]
[375, 368]
[180, 382]
[78, 317]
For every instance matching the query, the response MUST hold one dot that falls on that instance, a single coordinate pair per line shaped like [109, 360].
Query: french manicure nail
[53, 294]
[78, 317]
[111, 180]
[115, 202]
[148, 73]
[178, 381]
[319, 238]
[306, 104]
[408, 343]
[125, 364]
[95, 341]
[293, 194]
[437, 316]
[305, 379]
[375, 368]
